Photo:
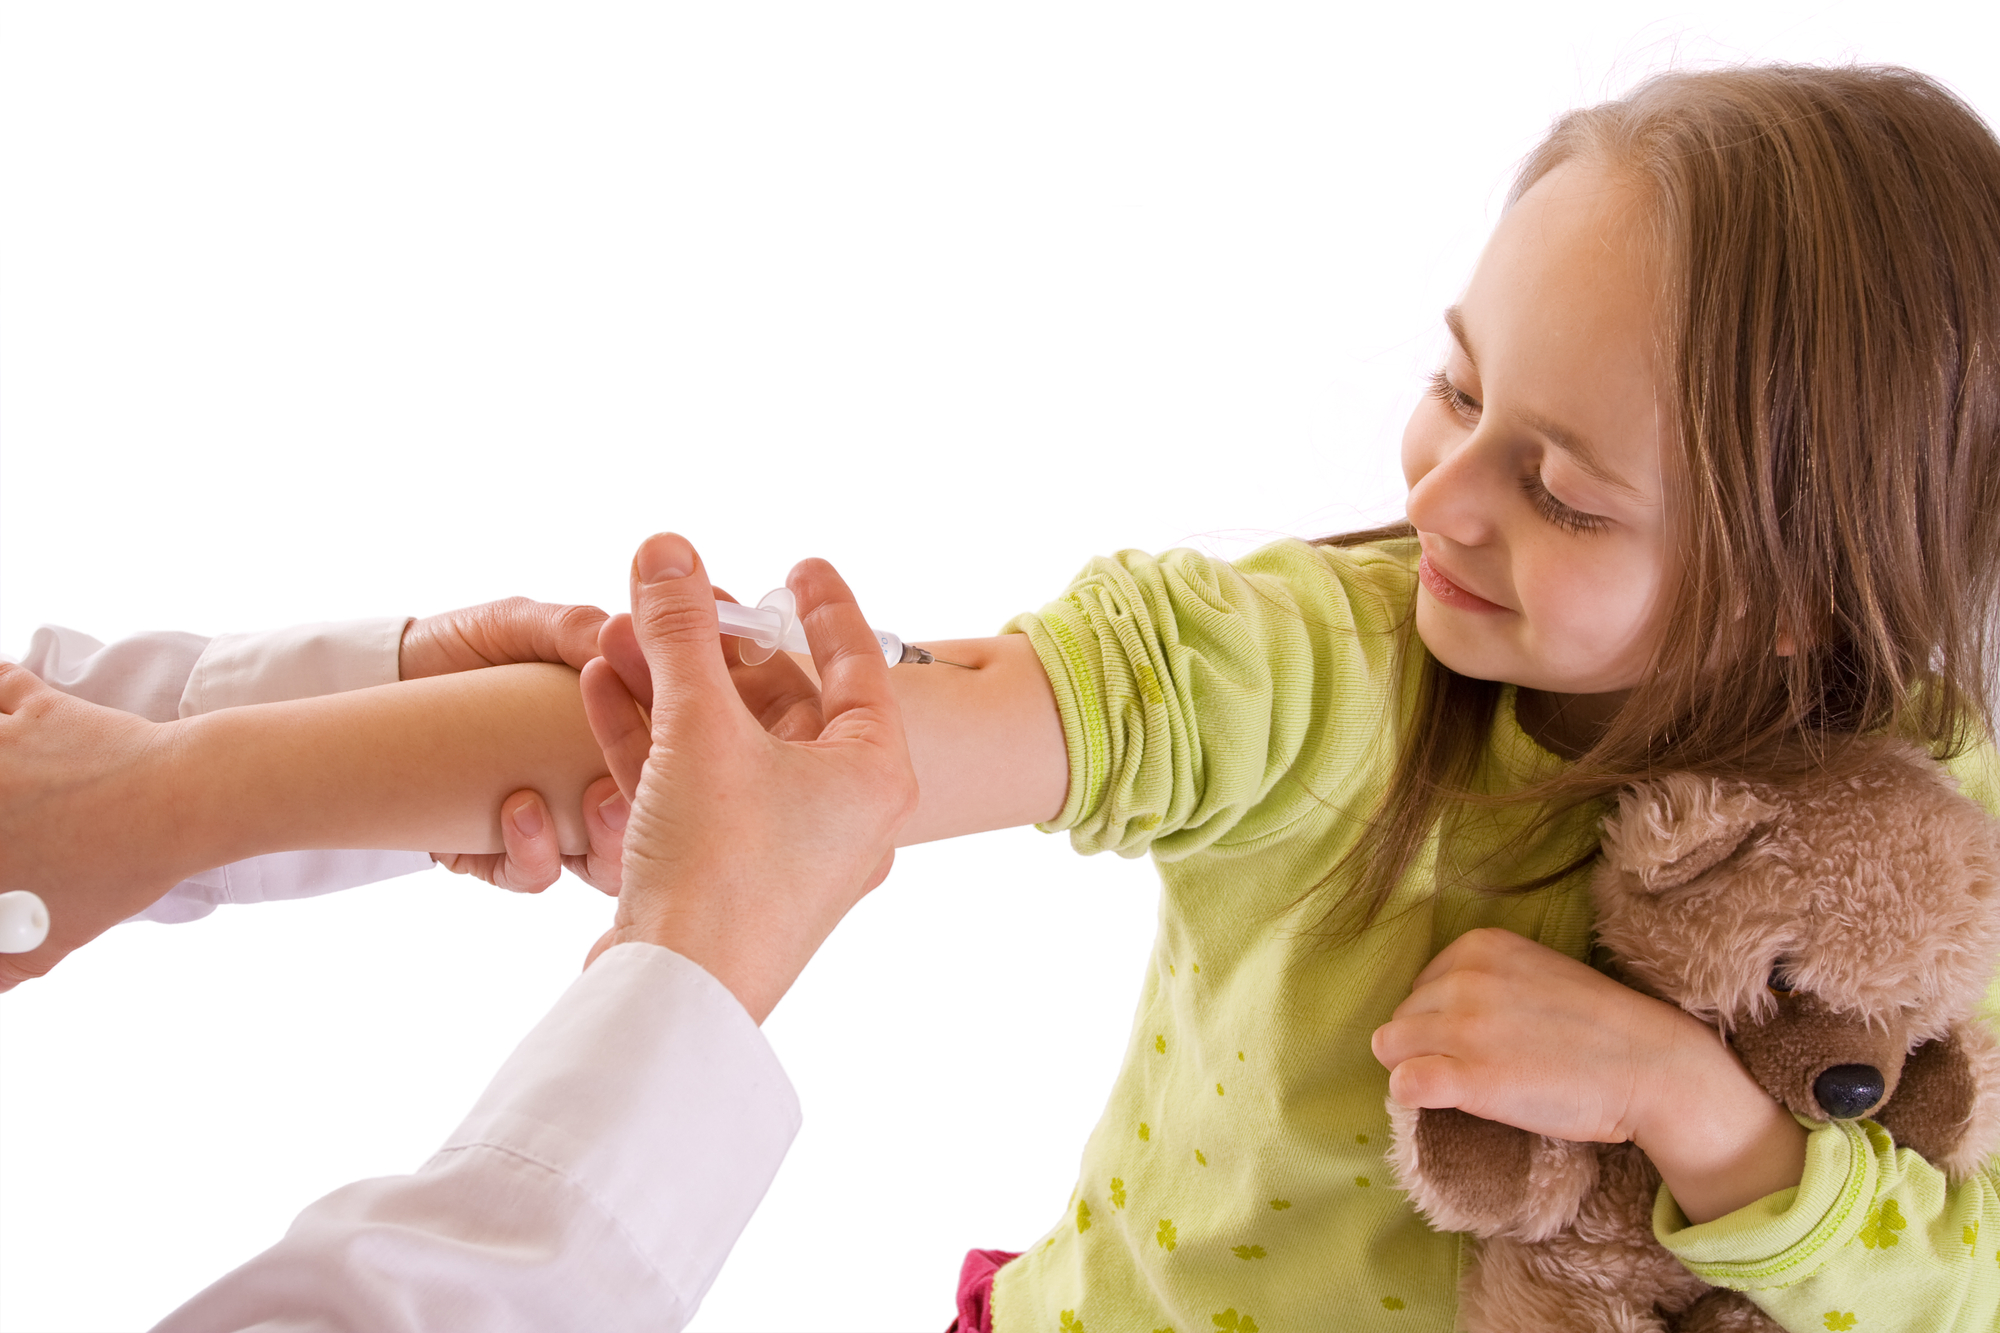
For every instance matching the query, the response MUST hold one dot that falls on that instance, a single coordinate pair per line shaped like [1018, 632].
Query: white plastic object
[24, 922]
[774, 623]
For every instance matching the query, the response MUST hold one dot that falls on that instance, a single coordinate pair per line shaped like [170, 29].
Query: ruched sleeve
[1874, 1237]
[1206, 703]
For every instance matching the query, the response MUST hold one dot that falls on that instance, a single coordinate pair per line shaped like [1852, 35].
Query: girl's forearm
[985, 738]
[421, 765]
[1722, 1142]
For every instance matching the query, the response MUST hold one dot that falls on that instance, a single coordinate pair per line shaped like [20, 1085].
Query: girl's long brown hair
[1831, 330]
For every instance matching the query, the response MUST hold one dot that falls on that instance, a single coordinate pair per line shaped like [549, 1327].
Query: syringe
[774, 623]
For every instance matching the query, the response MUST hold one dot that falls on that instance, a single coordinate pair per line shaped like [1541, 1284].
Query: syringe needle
[924, 657]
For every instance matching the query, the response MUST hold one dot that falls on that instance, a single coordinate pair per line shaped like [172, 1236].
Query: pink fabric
[975, 1290]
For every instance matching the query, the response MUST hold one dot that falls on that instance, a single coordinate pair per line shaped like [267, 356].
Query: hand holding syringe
[774, 623]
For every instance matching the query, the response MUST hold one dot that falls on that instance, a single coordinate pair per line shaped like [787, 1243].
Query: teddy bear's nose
[1846, 1091]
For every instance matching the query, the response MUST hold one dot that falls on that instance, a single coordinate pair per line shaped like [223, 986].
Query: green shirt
[1238, 722]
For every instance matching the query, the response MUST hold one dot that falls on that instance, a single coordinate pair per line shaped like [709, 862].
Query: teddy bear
[1838, 927]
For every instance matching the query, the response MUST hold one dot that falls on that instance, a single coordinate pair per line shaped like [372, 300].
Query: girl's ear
[1670, 829]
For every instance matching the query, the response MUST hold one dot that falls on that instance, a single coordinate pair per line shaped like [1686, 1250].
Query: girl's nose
[1452, 498]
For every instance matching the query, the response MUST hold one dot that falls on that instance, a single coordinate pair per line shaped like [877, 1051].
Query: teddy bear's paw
[1947, 1104]
[1468, 1174]
[1722, 1311]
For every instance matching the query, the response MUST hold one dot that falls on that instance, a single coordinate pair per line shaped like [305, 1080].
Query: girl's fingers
[1408, 1036]
[1429, 1080]
[616, 722]
[1488, 948]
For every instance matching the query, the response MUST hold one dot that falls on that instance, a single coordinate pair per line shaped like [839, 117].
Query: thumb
[18, 685]
[673, 616]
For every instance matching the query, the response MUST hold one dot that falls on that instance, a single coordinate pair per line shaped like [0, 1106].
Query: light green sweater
[1235, 721]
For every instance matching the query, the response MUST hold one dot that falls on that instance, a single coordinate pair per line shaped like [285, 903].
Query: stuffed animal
[1840, 930]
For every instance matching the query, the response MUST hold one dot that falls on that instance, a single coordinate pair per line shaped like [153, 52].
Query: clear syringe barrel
[774, 623]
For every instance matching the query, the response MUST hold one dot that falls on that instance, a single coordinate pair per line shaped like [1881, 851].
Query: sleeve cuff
[279, 877]
[1071, 671]
[145, 674]
[1786, 1237]
[652, 1090]
[301, 662]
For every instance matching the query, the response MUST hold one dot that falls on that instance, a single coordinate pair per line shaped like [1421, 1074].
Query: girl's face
[1534, 466]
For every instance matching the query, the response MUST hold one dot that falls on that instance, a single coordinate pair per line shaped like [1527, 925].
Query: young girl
[1711, 465]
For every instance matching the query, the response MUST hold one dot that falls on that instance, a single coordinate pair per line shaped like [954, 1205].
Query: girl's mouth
[1449, 593]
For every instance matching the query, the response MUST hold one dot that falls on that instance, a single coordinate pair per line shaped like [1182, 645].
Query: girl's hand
[1509, 1030]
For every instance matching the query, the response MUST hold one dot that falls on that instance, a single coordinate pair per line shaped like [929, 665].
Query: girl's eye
[1466, 407]
[1780, 981]
[1554, 510]
[1453, 397]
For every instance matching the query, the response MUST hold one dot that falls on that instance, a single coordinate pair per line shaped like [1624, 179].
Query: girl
[1711, 465]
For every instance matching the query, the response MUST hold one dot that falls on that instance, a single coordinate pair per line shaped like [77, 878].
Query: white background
[320, 311]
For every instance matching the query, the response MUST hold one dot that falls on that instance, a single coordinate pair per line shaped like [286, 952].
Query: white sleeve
[145, 674]
[164, 676]
[597, 1186]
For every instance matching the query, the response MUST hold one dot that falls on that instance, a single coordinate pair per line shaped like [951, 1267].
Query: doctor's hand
[533, 858]
[496, 634]
[743, 850]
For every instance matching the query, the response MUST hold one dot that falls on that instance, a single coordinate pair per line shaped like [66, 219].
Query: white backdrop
[321, 311]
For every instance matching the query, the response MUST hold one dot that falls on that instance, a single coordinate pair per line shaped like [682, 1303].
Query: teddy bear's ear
[1668, 830]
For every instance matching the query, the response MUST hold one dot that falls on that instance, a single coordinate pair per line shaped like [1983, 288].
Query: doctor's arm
[608, 1169]
[101, 811]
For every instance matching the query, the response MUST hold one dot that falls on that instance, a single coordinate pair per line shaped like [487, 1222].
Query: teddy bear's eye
[1780, 981]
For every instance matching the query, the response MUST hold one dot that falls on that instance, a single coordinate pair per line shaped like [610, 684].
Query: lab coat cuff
[645, 1040]
[300, 662]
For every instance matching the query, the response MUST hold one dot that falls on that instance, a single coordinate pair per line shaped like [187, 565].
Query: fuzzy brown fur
[1847, 921]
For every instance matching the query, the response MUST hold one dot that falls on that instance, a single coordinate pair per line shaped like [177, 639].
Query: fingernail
[664, 555]
[616, 811]
[528, 819]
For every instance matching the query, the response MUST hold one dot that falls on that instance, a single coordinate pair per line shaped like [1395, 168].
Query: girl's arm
[101, 812]
[985, 737]
[1507, 1029]
[1873, 1238]
[987, 744]
[421, 765]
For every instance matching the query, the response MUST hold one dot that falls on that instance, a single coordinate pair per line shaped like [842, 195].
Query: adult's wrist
[755, 954]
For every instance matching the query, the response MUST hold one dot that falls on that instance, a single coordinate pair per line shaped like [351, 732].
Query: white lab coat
[607, 1170]
[164, 676]
[597, 1186]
